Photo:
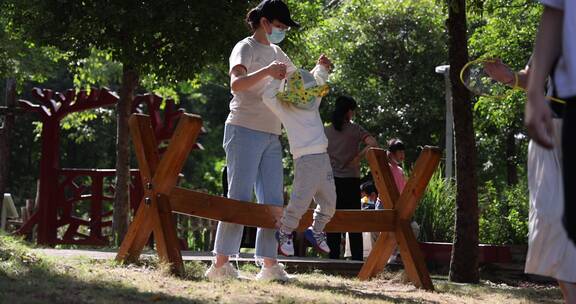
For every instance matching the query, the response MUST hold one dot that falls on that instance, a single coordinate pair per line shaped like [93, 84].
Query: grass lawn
[31, 278]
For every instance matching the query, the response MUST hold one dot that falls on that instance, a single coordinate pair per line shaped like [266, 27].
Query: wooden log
[412, 257]
[157, 179]
[166, 236]
[268, 216]
[181, 144]
[138, 234]
[145, 145]
[383, 179]
[424, 168]
[379, 256]
[146, 149]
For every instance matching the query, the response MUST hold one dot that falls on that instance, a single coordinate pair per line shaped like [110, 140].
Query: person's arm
[370, 142]
[503, 74]
[547, 49]
[240, 80]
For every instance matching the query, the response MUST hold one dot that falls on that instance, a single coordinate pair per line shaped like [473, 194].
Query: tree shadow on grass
[342, 290]
[40, 284]
[528, 295]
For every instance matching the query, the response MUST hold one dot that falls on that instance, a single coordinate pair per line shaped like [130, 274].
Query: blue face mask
[276, 36]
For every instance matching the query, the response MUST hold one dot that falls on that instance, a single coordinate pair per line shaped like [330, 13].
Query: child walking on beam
[296, 105]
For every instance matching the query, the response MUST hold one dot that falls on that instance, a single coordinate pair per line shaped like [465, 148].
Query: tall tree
[8, 98]
[464, 261]
[171, 39]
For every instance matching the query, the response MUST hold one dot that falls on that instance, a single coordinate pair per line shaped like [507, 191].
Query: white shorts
[550, 252]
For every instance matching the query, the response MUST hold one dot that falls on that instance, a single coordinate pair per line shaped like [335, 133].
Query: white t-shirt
[565, 73]
[304, 126]
[246, 107]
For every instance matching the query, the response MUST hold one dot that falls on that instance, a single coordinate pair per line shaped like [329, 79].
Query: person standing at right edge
[555, 55]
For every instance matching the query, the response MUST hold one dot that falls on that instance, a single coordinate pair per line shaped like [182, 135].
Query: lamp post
[445, 70]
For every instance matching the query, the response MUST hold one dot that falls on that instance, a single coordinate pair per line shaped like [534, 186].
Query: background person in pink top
[396, 156]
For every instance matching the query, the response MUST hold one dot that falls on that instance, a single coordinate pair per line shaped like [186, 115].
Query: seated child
[369, 195]
[296, 105]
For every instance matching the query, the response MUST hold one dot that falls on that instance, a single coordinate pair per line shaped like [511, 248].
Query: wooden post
[405, 204]
[159, 178]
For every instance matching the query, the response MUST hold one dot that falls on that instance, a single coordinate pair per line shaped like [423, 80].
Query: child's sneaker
[285, 244]
[317, 239]
[225, 272]
[274, 273]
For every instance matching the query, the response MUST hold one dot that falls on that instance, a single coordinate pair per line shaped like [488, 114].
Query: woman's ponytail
[253, 18]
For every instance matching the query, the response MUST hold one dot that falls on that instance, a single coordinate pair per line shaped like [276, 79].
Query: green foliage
[96, 70]
[506, 30]
[172, 39]
[208, 95]
[382, 58]
[435, 212]
[504, 214]
[22, 59]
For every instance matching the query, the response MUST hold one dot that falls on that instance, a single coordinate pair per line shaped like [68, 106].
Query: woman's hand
[277, 70]
[499, 72]
[538, 119]
[324, 61]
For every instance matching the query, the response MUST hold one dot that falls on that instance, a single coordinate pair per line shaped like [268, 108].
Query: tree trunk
[464, 260]
[511, 167]
[5, 131]
[122, 194]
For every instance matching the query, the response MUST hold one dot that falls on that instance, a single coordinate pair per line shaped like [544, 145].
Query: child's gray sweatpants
[313, 178]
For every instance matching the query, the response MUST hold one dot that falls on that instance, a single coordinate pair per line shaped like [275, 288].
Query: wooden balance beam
[162, 198]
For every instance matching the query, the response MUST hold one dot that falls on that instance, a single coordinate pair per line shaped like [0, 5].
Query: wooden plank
[147, 153]
[173, 159]
[412, 257]
[383, 179]
[423, 170]
[138, 234]
[267, 216]
[146, 149]
[379, 256]
[145, 145]
[166, 236]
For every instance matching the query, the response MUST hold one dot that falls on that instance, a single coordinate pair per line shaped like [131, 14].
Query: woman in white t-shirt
[251, 136]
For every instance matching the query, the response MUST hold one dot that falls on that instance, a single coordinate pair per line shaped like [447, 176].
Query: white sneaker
[274, 273]
[317, 239]
[226, 272]
[285, 244]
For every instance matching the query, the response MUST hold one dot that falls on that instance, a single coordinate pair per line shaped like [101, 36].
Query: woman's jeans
[254, 161]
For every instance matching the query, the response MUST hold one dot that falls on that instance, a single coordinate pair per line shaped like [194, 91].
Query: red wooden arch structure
[162, 198]
[62, 190]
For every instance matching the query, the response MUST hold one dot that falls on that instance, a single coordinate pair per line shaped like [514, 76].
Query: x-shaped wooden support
[159, 178]
[405, 204]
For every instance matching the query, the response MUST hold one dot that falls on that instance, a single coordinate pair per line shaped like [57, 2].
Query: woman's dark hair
[343, 105]
[271, 10]
[395, 144]
[253, 18]
[368, 188]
